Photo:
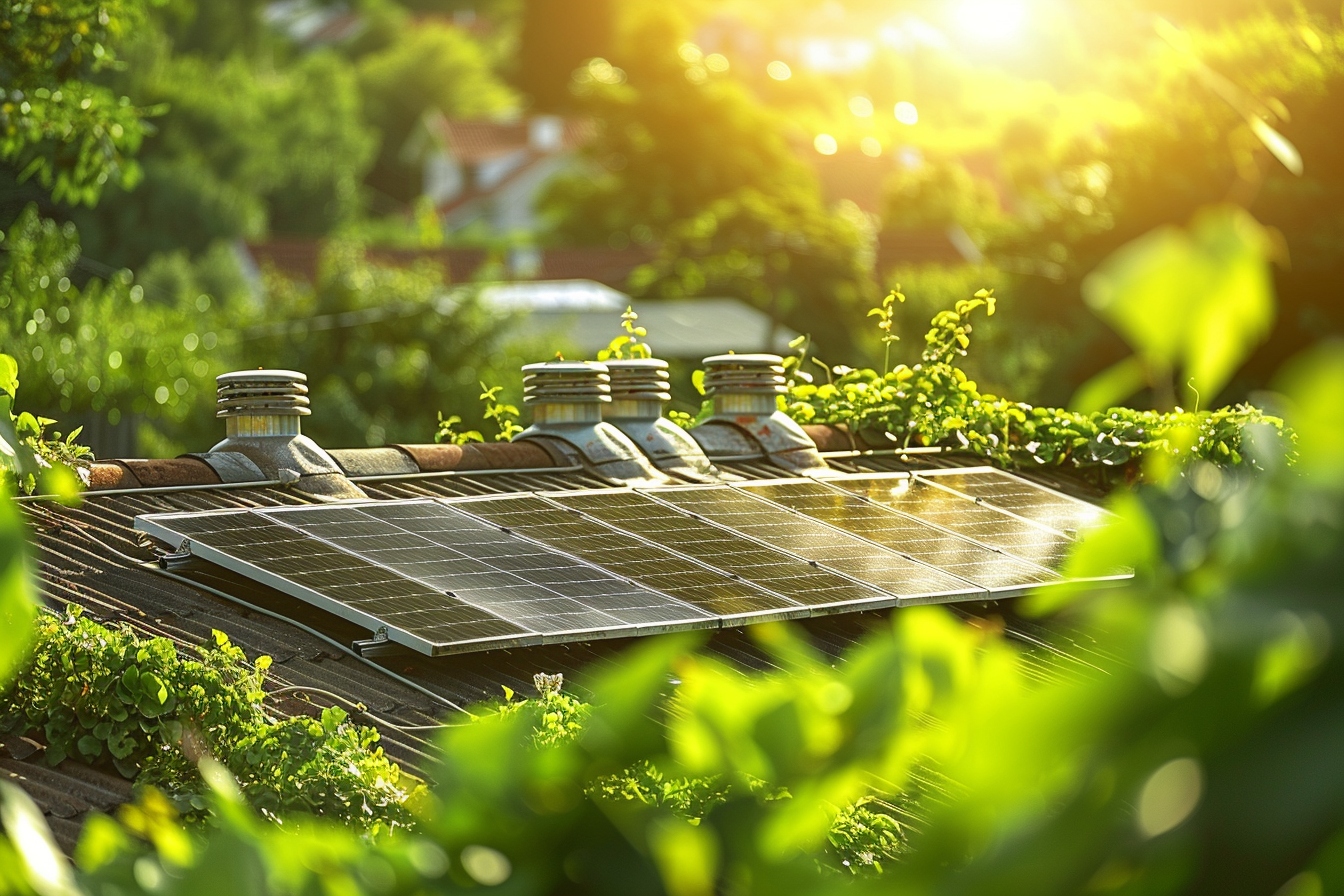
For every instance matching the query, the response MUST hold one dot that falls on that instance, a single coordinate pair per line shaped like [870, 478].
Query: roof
[475, 141]
[91, 556]
[682, 328]
[924, 245]
[298, 257]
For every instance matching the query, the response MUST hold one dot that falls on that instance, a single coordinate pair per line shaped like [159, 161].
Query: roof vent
[262, 402]
[261, 411]
[567, 399]
[639, 389]
[746, 419]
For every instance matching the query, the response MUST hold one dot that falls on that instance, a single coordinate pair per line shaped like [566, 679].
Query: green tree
[239, 152]
[428, 68]
[558, 36]
[383, 347]
[56, 125]
[103, 346]
[781, 251]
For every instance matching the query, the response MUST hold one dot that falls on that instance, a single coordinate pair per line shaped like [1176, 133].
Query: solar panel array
[462, 574]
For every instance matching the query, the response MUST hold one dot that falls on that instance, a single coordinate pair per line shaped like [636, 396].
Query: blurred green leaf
[1110, 387]
[1314, 383]
[1199, 298]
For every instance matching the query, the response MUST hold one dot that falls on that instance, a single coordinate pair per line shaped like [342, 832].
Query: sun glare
[991, 21]
[826, 144]
[906, 113]
[861, 106]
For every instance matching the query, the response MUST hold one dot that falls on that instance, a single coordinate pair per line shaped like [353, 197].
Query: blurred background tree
[801, 156]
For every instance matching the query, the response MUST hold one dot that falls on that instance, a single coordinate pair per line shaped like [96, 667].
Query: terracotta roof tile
[172, 471]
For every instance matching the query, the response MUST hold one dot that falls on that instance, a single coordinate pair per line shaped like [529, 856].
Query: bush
[109, 697]
[934, 403]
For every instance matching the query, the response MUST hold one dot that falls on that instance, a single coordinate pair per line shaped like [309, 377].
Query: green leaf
[698, 380]
[17, 600]
[9, 375]
[153, 687]
[1110, 387]
[1199, 298]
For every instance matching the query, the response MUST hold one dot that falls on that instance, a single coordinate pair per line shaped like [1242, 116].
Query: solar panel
[811, 587]
[283, 558]
[424, 571]
[451, 575]
[540, 590]
[957, 513]
[1020, 497]
[989, 569]
[895, 573]
[711, 590]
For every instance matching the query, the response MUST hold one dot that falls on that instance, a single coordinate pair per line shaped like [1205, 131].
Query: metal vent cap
[262, 393]
[566, 382]
[744, 374]
[640, 379]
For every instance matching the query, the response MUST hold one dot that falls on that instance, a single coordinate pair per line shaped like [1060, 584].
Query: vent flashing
[567, 399]
[639, 390]
[261, 411]
[744, 391]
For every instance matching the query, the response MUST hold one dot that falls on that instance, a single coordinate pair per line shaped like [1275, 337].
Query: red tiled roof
[478, 141]
[297, 258]
[609, 266]
[929, 245]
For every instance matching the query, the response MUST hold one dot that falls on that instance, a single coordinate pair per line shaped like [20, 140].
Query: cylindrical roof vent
[639, 389]
[566, 391]
[744, 384]
[261, 411]
[262, 402]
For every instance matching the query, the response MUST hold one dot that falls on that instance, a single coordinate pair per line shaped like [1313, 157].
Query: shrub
[105, 696]
[934, 403]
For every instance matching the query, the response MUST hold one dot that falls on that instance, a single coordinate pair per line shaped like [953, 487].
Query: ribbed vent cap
[744, 374]
[640, 379]
[262, 393]
[566, 382]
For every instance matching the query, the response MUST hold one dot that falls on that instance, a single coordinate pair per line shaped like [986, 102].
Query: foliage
[886, 319]
[934, 402]
[104, 346]
[241, 151]
[556, 717]
[779, 249]
[627, 343]
[504, 415]
[859, 836]
[938, 194]
[108, 697]
[430, 70]
[74, 136]
[27, 455]
[1199, 299]
[381, 345]
[863, 838]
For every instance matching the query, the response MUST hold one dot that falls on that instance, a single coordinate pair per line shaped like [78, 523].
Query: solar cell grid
[539, 590]
[960, 514]
[811, 539]
[451, 574]
[709, 590]
[975, 563]
[290, 561]
[1021, 497]
[808, 586]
